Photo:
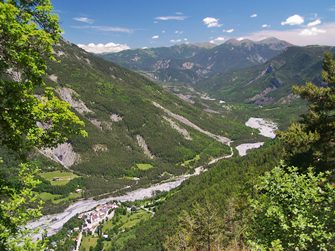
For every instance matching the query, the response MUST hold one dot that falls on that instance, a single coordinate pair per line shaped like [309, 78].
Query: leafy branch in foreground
[293, 211]
[30, 114]
[14, 210]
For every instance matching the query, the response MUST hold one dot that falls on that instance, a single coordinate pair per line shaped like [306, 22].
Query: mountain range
[189, 63]
[244, 71]
[272, 81]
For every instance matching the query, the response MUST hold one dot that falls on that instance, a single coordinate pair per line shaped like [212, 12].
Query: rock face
[115, 118]
[96, 123]
[179, 129]
[62, 154]
[100, 148]
[141, 142]
[71, 97]
[53, 78]
[185, 121]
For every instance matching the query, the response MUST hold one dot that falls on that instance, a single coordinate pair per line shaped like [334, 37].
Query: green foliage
[198, 229]
[311, 140]
[108, 89]
[225, 187]
[58, 178]
[64, 239]
[293, 211]
[120, 228]
[28, 32]
[15, 210]
[272, 81]
[30, 114]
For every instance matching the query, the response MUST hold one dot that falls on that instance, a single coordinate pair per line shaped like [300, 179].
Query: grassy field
[144, 167]
[87, 242]
[58, 178]
[119, 228]
[56, 199]
[187, 163]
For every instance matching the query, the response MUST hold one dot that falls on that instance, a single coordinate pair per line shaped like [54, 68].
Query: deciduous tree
[293, 211]
[30, 114]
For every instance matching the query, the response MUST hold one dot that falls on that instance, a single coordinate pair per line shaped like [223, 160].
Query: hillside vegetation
[128, 129]
[272, 81]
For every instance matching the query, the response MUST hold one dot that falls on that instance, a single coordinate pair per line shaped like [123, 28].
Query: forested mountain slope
[133, 138]
[272, 81]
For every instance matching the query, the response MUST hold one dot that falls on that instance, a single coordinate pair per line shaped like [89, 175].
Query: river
[53, 223]
[266, 128]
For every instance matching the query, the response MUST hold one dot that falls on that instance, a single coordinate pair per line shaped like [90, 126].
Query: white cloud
[218, 40]
[211, 22]
[104, 28]
[155, 37]
[314, 31]
[163, 31]
[175, 40]
[178, 32]
[168, 18]
[240, 38]
[294, 36]
[179, 13]
[266, 26]
[84, 20]
[314, 23]
[185, 39]
[104, 48]
[293, 20]
[229, 31]
[253, 15]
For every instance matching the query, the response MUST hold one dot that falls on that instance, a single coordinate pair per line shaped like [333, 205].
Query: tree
[293, 211]
[30, 113]
[311, 141]
[198, 229]
[100, 245]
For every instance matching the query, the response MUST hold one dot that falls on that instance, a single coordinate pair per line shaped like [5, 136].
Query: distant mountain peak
[266, 41]
[273, 40]
[275, 43]
[270, 40]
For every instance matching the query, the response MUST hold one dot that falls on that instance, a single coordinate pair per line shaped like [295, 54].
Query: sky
[114, 25]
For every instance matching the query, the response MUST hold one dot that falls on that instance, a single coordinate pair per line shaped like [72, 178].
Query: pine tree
[311, 141]
[198, 229]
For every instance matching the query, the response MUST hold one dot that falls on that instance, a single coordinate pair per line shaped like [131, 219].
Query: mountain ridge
[272, 81]
[170, 64]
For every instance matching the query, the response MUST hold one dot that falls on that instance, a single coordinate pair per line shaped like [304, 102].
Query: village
[93, 220]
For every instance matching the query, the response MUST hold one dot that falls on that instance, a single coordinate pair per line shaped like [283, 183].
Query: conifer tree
[311, 141]
[198, 229]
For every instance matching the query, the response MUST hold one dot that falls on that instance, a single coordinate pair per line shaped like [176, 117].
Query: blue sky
[117, 25]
